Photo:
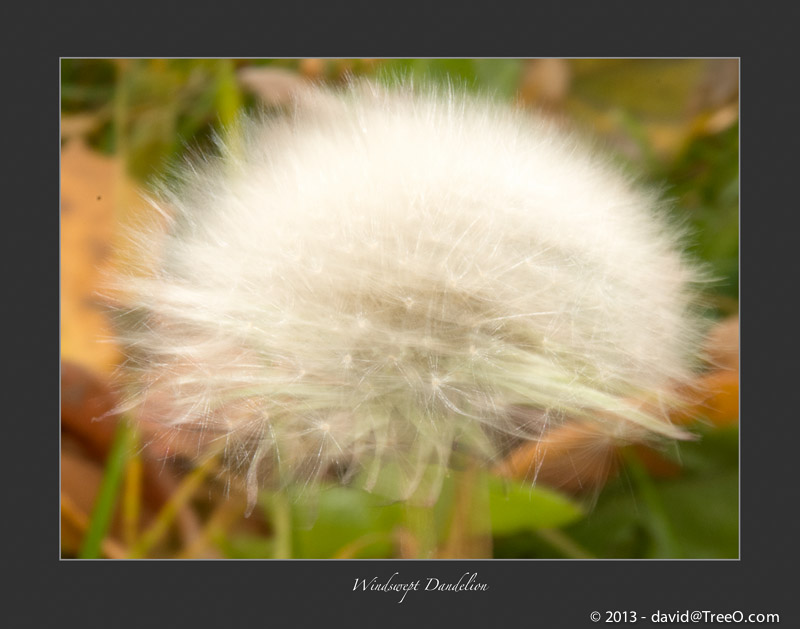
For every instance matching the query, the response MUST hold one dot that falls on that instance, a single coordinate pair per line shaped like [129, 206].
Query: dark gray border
[44, 591]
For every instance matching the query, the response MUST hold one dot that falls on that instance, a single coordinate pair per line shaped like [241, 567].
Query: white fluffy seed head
[387, 274]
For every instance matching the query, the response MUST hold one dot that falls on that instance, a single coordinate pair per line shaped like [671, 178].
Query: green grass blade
[107, 495]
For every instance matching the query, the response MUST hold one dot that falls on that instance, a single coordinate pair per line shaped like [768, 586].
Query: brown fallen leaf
[86, 402]
[313, 68]
[579, 455]
[722, 345]
[87, 431]
[713, 396]
[545, 82]
[575, 456]
[87, 225]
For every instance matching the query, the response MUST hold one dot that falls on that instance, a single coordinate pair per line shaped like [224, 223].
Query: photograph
[390, 309]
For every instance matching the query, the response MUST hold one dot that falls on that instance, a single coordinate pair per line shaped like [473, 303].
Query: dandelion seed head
[387, 273]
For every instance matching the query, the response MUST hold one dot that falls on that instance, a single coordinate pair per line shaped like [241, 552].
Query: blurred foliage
[705, 179]
[674, 122]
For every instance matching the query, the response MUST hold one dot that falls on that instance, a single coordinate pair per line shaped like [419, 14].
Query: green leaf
[704, 514]
[715, 450]
[517, 507]
[702, 506]
[344, 515]
[246, 547]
